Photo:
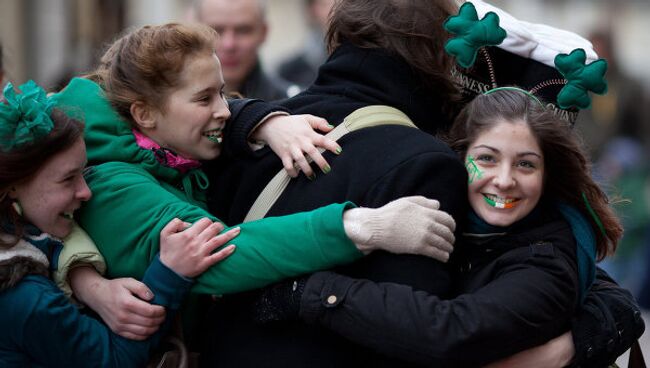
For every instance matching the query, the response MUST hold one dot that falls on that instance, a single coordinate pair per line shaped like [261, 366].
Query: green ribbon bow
[580, 78]
[24, 117]
[472, 34]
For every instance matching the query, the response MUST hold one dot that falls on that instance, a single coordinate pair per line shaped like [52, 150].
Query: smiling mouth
[214, 135]
[498, 202]
[67, 216]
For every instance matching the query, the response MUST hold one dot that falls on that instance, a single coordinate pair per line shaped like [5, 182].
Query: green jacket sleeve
[130, 207]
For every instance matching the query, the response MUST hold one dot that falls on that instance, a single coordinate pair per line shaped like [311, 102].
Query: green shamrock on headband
[580, 78]
[472, 34]
[24, 117]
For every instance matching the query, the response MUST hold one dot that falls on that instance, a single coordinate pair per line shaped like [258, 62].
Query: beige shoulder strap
[364, 117]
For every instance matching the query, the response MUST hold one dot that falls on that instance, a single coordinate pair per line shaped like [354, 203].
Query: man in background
[242, 28]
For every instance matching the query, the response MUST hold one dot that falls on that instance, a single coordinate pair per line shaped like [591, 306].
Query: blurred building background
[46, 39]
[51, 40]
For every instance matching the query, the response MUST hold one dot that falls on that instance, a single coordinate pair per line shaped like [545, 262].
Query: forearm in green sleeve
[275, 248]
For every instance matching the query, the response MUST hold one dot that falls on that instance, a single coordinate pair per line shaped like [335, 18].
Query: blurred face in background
[319, 11]
[242, 30]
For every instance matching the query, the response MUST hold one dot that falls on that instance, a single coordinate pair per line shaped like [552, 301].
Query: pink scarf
[165, 156]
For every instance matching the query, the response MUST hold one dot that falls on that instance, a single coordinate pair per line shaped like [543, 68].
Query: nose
[83, 191]
[220, 110]
[227, 40]
[504, 178]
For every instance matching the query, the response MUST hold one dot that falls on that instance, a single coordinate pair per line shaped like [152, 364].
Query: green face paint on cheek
[473, 172]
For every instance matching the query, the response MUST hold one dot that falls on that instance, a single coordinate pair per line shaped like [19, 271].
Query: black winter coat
[518, 290]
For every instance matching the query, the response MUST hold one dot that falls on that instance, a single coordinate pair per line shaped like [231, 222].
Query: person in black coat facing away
[377, 165]
[372, 63]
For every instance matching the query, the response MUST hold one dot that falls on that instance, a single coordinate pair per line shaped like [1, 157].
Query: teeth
[68, 215]
[214, 135]
[499, 199]
[498, 202]
[215, 139]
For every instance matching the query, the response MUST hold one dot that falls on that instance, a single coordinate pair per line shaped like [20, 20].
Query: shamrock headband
[25, 117]
[575, 78]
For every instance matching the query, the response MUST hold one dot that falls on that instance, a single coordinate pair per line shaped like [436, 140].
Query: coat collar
[373, 76]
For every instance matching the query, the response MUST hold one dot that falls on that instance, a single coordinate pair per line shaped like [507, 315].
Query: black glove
[280, 302]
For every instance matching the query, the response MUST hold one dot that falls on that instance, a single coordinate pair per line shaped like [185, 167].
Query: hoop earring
[17, 207]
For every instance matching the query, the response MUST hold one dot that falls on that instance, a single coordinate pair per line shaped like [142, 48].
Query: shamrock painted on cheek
[473, 172]
[580, 78]
[472, 34]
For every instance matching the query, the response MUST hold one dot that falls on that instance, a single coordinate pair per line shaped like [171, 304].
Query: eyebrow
[209, 89]
[519, 154]
[76, 169]
[202, 91]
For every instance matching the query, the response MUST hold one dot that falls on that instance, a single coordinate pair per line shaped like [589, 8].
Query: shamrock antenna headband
[473, 34]
[581, 78]
[25, 117]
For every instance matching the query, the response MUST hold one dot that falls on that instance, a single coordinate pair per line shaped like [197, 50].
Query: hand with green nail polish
[581, 78]
[472, 34]
[298, 143]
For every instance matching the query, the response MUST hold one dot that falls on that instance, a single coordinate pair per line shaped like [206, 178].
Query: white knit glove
[409, 225]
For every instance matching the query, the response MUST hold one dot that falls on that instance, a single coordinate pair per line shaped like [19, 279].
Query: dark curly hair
[409, 29]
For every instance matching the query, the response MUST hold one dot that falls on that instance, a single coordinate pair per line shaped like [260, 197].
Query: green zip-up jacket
[135, 196]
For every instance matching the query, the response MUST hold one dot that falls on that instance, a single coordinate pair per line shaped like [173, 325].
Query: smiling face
[506, 168]
[195, 113]
[50, 197]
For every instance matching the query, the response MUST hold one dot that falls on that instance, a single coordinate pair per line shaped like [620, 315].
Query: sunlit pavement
[644, 342]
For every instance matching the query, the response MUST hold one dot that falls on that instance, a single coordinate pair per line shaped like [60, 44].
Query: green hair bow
[581, 79]
[472, 34]
[24, 117]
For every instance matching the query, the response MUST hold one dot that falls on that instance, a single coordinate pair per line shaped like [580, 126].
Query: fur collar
[23, 249]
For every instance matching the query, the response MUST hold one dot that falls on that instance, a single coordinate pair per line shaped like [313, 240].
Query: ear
[143, 115]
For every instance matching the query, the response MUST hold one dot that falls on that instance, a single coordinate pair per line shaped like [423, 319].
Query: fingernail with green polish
[311, 177]
[339, 150]
[330, 126]
[327, 169]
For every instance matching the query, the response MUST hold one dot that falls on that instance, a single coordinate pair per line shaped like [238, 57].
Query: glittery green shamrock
[581, 79]
[472, 34]
[24, 117]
